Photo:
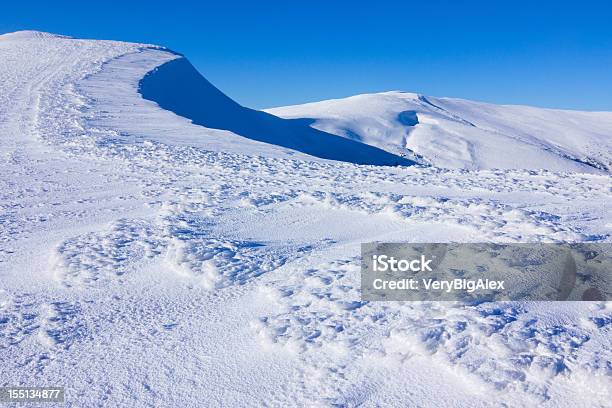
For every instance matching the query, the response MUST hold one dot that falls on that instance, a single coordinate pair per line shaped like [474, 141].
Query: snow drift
[177, 86]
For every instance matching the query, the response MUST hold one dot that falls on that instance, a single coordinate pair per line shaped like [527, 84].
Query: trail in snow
[148, 260]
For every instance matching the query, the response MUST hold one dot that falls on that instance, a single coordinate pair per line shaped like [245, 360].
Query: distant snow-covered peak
[459, 133]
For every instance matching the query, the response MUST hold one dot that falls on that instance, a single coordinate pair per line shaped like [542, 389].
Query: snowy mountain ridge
[458, 133]
[386, 128]
[147, 259]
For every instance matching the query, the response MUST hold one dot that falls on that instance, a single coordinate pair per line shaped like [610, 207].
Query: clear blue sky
[553, 54]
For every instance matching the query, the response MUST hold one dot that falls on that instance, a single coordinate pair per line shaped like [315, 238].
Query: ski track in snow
[148, 261]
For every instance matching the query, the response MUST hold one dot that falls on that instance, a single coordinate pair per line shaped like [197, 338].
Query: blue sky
[552, 54]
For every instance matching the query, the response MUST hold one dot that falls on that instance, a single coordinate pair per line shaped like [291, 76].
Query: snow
[147, 258]
[456, 133]
[178, 87]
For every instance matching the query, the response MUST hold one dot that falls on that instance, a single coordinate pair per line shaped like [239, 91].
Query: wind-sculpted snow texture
[178, 87]
[148, 260]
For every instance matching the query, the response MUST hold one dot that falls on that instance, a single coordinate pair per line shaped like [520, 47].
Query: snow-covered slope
[457, 133]
[177, 86]
[147, 260]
